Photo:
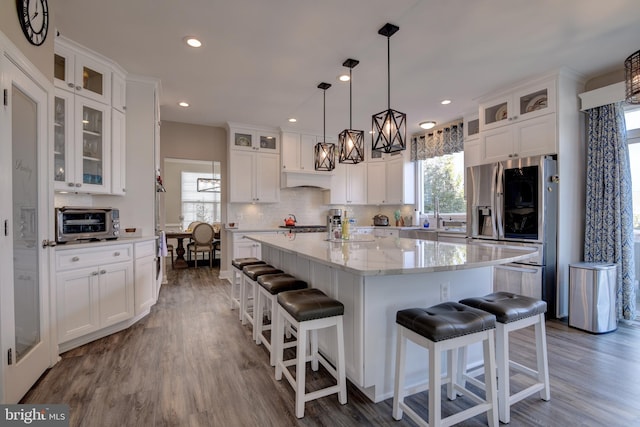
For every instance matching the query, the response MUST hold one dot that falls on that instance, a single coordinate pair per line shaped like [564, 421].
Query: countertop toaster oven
[86, 223]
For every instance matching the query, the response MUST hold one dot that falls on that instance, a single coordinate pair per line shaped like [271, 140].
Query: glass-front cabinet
[81, 144]
[255, 140]
[529, 102]
[81, 75]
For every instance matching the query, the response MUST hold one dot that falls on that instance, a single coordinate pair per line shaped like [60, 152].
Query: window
[632, 122]
[443, 180]
[199, 205]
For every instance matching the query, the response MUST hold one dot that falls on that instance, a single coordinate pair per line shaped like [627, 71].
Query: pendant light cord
[350, 102]
[388, 72]
[324, 116]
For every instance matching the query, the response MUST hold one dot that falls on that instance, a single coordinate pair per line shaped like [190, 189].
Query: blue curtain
[609, 214]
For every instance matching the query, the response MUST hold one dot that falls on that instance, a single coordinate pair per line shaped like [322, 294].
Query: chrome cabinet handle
[75, 259]
[71, 85]
[103, 271]
[94, 273]
[116, 254]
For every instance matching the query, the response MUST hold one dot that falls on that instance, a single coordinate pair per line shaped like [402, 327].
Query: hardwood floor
[191, 363]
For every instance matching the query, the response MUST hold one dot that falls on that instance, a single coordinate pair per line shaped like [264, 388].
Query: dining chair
[216, 238]
[191, 227]
[202, 236]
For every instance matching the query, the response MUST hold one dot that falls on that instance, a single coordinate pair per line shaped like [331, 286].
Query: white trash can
[592, 297]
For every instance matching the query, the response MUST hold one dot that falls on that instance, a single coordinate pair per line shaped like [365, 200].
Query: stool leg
[313, 349]
[279, 337]
[452, 373]
[275, 331]
[435, 361]
[234, 277]
[300, 369]
[502, 362]
[242, 297]
[258, 313]
[543, 365]
[398, 391]
[254, 319]
[341, 369]
[491, 394]
[245, 298]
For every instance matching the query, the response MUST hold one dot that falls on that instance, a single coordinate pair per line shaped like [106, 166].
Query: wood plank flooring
[191, 363]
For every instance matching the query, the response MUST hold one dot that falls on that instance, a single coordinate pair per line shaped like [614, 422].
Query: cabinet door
[77, 303]
[497, 144]
[267, 179]
[356, 184]
[246, 249]
[118, 92]
[376, 183]
[144, 284]
[338, 192]
[472, 153]
[495, 113]
[92, 79]
[63, 142]
[267, 142]
[307, 153]
[92, 146]
[116, 293]
[290, 151]
[118, 153]
[537, 136]
[241, 176]
[535, 100]
[64, 68]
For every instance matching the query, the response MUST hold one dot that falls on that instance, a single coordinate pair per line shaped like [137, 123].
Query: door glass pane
[521, 203]
[92, 146]
[25, 224]
[60, 67]
[59, 154]
[92, 80]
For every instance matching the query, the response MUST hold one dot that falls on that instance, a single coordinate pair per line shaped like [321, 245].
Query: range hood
[320, 180]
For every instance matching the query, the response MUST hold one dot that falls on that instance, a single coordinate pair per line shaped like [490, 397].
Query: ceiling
[261, 60]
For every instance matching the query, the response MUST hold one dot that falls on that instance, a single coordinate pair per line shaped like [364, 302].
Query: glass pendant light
[632, 78]
[325, 153]
[389, 126]
[351, 141]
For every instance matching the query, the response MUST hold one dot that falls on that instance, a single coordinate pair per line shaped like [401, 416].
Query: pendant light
[325, 153]
[351, 141]
[632, 78]
[389, 126]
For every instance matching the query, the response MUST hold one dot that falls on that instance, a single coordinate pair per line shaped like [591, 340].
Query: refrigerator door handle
[499, 200]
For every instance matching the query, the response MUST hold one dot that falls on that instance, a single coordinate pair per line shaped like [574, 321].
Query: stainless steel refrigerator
[515, 202]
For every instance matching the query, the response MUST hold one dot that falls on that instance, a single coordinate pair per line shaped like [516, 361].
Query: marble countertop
[118, 241]
[369, 255]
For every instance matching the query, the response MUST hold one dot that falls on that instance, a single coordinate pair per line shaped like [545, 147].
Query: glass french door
[24, 290]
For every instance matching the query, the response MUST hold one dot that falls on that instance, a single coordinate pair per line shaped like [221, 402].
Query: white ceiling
[262, 60]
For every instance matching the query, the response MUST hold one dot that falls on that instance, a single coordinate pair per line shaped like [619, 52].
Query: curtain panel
[446, 140]
[609, 210]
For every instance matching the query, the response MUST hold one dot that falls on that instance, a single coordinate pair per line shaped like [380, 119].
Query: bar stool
[236, 280]
[445, 327]
[514, 312]
[248, 291]
[308, 310]
[270, 285]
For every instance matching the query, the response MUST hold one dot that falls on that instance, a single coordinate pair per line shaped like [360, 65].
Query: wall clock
[34, 19]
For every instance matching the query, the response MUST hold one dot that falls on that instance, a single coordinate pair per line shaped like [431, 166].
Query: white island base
[376, 279]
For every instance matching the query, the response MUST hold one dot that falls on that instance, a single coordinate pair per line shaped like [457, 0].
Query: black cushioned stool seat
[446, 327]
[270, 286]
[514, 312]
[236, 280]
[446, 320]
[308, 310]
[249, 292]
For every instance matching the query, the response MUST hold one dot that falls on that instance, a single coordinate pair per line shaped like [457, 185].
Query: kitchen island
[374, 277]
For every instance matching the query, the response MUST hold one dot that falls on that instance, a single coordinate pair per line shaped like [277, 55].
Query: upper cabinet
[254, 165]
[297, 152]
[89, 121]
[391, 182]
[520, 104]
[81, 74]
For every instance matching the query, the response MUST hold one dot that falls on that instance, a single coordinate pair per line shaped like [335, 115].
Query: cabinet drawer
[143, 249]
[86, 257]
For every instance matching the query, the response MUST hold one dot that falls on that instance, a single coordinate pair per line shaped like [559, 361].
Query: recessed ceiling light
[445, 101]
[192, 41]
[183, 104]
[344, 77]
[292, 120]
[427, 125]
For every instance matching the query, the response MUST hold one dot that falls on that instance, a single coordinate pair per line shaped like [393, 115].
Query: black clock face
[34, 19]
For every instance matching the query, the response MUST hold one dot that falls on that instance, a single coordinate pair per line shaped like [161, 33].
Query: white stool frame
[541, 375]
[236, 284]
[489, 404]
[304, 329]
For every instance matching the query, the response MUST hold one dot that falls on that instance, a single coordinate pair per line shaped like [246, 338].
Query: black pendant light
[632, 78]
[389, 126]
[325, 153]
[351, 141]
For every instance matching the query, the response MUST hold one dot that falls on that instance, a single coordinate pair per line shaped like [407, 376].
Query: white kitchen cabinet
[249, 139]
[532, 137]
[519, 104]
[348, 185]
[95, 289]
[297, 152]
[391, 182]
[145, 273]
[118, 153]
[386, 232]
[118, 91]
[81, 72]
[82, 144]
[254, 177]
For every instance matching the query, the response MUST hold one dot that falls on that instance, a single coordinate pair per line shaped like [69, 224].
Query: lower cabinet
[145, 273]
[245, 248]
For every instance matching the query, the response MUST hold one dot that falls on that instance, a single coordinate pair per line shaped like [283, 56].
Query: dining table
[179, 262]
